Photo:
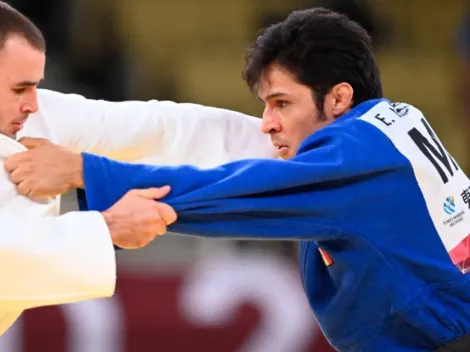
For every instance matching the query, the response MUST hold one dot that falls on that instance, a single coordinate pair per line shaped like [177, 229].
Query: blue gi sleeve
[271, 199]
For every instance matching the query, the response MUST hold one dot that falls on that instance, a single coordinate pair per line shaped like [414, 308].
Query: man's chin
[8, 134]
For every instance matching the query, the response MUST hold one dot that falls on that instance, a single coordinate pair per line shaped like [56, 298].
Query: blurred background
[190, 294]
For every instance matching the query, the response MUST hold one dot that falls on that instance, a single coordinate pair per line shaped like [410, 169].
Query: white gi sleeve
[159, 132]
[53, 259]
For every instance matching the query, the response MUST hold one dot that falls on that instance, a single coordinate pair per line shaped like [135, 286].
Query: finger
[23, 189]
[126, 246]
[18, 175]
[30, 142]
[30, 193]
[13, 161]
[154, 193]
[167, 213]
[146, 237]
[161, 228]
[156, 224]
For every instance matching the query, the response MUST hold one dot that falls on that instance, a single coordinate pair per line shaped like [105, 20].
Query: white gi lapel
[8, 193]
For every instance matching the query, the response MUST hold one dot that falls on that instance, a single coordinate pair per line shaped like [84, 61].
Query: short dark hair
[321, 48]
[13, 22]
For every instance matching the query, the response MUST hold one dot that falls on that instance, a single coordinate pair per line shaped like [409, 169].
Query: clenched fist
[136, 219]
[45, 170]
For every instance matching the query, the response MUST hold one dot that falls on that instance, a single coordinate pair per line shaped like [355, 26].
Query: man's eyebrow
[274, 95]
[27, 83]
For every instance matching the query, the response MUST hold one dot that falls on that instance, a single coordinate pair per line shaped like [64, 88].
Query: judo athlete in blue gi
[381, 209]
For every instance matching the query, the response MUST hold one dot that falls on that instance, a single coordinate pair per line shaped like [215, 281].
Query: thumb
[31, 142]
[155, 192]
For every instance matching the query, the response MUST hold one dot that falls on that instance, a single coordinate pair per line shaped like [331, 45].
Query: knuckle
[15, 178]
[150, 234]
[173, 217]
[138, 241]
[10, 164]
[144, 240]
[22, 190]
[161, 229]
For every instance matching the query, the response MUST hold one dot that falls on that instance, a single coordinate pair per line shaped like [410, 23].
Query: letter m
[434, 152]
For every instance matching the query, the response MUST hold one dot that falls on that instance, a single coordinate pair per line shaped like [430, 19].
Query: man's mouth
[282, 150]
[18, 126]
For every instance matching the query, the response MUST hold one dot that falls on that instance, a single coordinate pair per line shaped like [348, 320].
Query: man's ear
[341, 96]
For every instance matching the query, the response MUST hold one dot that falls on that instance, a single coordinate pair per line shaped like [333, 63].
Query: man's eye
[19, 90]
[281, 103]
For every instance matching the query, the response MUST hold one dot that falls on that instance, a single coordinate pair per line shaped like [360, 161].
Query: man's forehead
[19, 61]
[267, 84]
[273, 85]
[18, 48]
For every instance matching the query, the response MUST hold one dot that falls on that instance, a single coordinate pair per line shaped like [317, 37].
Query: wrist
[77, 172]
[108, 219]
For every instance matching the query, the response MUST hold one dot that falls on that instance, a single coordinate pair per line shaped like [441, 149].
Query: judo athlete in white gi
[47, 259]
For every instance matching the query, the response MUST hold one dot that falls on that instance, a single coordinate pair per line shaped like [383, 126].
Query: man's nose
[270, 123]
[30, 104]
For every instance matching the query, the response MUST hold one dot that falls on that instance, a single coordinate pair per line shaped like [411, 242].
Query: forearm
[158, 132]
[246, 199]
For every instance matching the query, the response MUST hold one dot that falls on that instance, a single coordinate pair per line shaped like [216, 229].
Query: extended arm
[300, 198]
[158, 132]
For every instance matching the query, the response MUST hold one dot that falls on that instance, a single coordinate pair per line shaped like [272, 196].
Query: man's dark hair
[12, 22]
[321, 48]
